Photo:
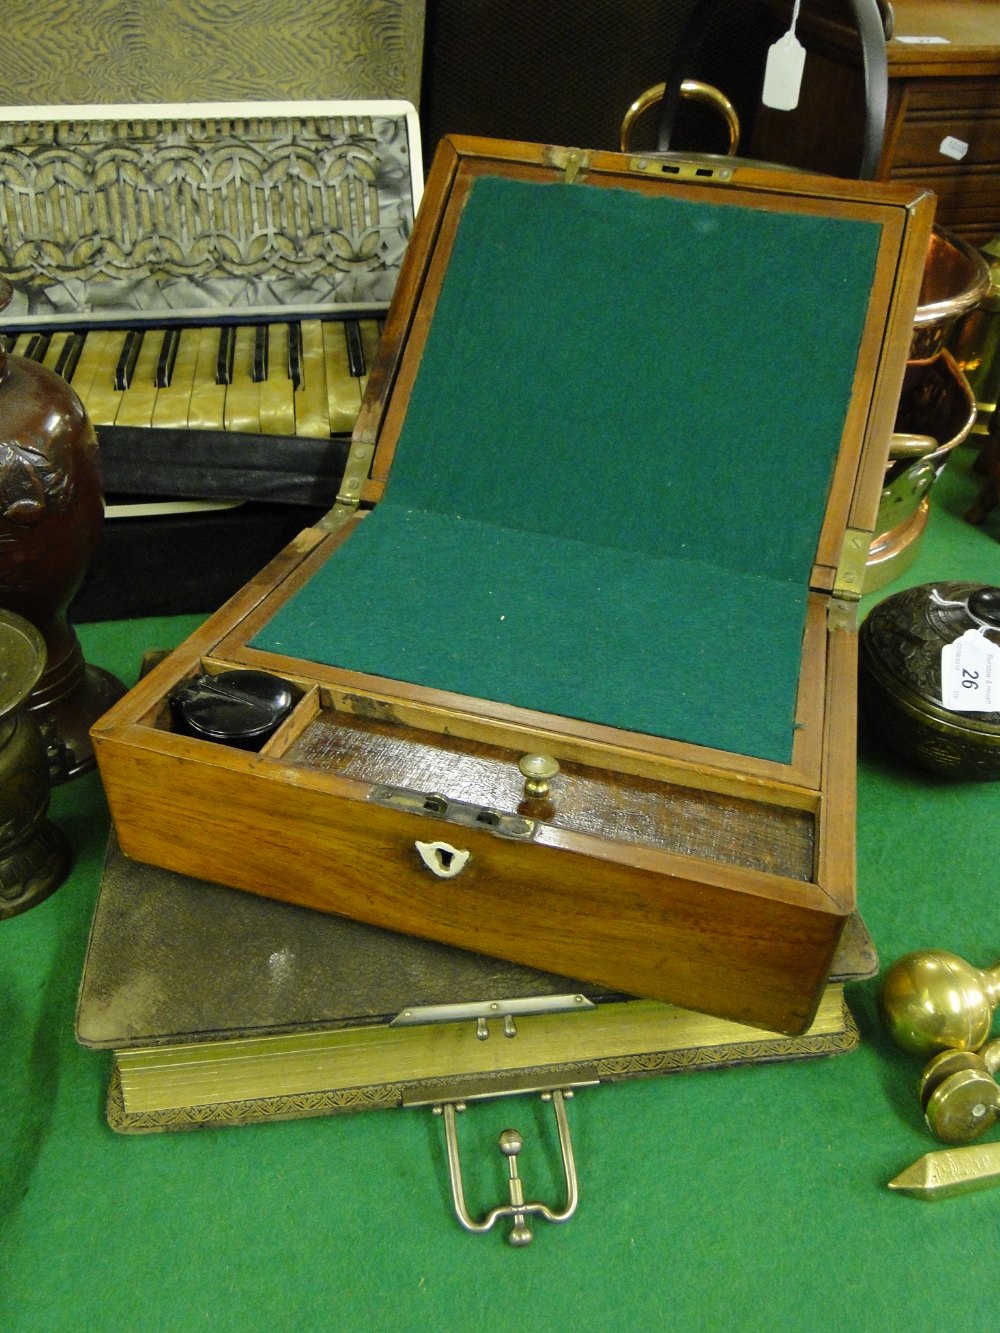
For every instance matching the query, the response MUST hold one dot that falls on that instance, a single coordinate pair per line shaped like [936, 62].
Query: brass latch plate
[677, 168]
[465, 813]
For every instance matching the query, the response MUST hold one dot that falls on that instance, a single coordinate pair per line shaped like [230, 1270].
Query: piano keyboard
[303, 378]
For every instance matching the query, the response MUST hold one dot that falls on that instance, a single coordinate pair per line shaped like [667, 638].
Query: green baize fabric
[608, 489]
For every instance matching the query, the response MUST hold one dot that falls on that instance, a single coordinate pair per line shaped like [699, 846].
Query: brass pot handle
[911, 446]
[694, 90]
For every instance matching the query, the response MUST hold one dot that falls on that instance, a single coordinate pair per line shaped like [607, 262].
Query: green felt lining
[649, 640]
[621, 439]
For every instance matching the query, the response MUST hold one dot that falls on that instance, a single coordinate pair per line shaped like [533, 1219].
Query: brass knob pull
[538, 770]
[692, 90]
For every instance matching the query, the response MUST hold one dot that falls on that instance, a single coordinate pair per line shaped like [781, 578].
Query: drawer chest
[943, 110]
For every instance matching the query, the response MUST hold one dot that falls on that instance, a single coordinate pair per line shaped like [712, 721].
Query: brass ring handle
[694, 90]
[911, 446]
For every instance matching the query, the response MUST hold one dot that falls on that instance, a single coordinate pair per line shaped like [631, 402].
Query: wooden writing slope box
[628, 420]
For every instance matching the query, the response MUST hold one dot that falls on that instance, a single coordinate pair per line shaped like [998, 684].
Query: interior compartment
[767, 834]
[722, 827]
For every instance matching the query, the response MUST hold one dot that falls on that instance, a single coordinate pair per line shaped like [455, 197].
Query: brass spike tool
[940, 1175]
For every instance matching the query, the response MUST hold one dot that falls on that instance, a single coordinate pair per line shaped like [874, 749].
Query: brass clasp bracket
[510, 1144]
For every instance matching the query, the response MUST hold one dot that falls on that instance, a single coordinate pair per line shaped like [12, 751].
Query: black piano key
[295, 354]
[224, 359]
[69, 356]
[167, 357]
[355, 349]
[259, 372]
[125, 368]
[37, 346]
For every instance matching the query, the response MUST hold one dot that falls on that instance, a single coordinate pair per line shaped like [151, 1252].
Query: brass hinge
[359, 460]
[849, 579]
[574, 163]
[842, 615]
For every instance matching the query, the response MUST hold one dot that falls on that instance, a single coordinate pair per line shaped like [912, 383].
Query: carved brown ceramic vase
[50, 523]
[34, 854]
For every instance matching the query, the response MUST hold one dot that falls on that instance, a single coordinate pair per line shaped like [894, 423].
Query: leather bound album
[222, 1008]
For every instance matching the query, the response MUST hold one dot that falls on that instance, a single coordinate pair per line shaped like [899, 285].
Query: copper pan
[936, 414]
[956, 279]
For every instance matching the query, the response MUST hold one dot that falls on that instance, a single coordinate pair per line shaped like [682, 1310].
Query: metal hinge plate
[849, 579]
[359, 460]
[484, 1010]
[574, 163]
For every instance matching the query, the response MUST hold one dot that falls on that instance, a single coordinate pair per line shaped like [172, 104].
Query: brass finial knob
[934, 1001]
[959, 1094]
[538, 770]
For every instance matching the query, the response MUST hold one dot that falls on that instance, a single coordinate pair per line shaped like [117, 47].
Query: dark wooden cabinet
[943, 114]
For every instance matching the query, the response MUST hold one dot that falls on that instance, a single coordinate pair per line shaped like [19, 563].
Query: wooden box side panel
[837, 822]
[743, 955]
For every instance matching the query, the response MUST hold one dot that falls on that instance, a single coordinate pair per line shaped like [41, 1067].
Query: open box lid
[205, 211]
[634, 411]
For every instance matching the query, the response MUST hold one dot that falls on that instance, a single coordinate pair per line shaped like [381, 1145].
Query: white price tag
[970, 674]
[953, 148]
[783, 73]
